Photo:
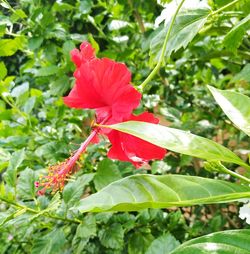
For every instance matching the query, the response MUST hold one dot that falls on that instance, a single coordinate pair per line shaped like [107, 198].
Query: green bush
[194, 74]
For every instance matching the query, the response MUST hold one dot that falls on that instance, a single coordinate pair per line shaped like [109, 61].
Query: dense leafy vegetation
[199, 89]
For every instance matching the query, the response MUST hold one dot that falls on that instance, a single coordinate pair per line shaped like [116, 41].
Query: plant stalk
[234, 174]
[158, 65]
[225, 7]
[39, 212]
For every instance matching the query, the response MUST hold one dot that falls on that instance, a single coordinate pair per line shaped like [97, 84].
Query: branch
[40, 212]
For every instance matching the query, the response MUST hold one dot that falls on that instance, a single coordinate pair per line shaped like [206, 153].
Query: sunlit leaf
[231, 241]
[186, 26]
[150, 191]
[3, 70]
[8, 47]
[178, 141]
[244, 74]
[29, 105]
[236, 106]
[234, 37]
[20, 90]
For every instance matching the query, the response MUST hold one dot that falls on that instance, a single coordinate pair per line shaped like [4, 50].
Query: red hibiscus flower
[103, 85]
[129, 148]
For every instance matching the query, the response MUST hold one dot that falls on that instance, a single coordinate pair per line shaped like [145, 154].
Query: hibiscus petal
[83, 94]
[87, 51]
[86, 54]
[110, 78]
[103, 85]
[144, 117]
[116, 151]
[124, 105]
[76, 57]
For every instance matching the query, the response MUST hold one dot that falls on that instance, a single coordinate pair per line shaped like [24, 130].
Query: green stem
[234, 174]
[157, 67]
[246, 166]
[14, 107]
[92, 21]
[39, 212]
[224, 7]
[137, 17]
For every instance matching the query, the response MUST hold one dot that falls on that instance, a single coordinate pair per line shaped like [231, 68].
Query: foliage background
[38, 130]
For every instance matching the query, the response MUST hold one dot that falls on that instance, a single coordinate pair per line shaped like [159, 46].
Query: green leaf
[17, 91]
[29, 105]
[47, 71]
[60, 86]
[74, 190]
[3, 71]
[8, 47]
[18, 14]
[35, 42]
[51, 150]
[55, 202]
[5, 5]
[236, 106]
[139, 242]
[112, 236]
[84, 231]
[46, 149]
[178, 141]
[226, 242]
[107, 172]
[244, 74]
[235, 36]
[163, 244]
[149, 191]
[11, 172]
[2, 29]
[62, 7]
[21, 93]
[11, 217]
[187, 24]
[51, 243]
[67, 47]
[6, 114]
[4, 155]
[25, 184]
[87, 228]
[85, 6]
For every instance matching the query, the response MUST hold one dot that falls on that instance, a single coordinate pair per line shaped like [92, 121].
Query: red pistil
[60, 173]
